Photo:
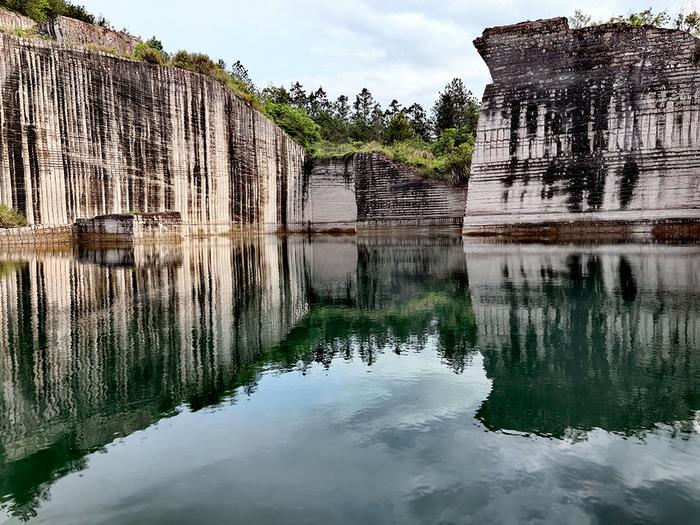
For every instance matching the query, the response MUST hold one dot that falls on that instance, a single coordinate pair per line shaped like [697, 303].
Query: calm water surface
[345, 380]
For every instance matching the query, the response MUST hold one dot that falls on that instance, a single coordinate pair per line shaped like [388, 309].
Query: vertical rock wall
[85, 134]
[594, 125]
[369, 191]
[10, 20]
[72, 31]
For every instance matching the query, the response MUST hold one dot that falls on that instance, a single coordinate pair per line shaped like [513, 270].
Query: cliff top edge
[561, 25]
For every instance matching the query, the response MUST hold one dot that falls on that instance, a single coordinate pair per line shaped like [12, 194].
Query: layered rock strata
[119, 229]
[368, 191]
[595, 127]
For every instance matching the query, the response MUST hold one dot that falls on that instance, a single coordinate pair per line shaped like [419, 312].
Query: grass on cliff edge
[10, 218]
[441, 161]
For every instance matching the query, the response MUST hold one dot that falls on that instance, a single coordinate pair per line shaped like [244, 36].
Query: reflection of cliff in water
[571, 339]
[146, 329]
[600, 338]
[93, 351]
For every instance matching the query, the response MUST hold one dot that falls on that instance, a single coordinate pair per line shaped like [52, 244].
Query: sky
[399, 49]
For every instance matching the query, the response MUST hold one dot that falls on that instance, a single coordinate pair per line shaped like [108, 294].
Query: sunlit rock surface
[368, 191]
[85, 134]
[598, 125]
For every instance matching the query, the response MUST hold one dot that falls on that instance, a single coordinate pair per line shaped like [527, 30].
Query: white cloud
[404, 49]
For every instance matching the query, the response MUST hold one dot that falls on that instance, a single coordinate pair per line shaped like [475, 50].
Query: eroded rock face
[85, 134]
[369, 191]
[10, 20]
[600, 124]
[70, 30]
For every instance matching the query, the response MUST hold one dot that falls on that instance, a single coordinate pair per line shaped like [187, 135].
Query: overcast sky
[403, 49]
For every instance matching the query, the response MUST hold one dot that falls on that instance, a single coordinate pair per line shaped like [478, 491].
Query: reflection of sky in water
[399, 383]
[397, 440]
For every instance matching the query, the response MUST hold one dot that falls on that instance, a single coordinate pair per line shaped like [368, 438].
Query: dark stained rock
[85, 134]
[592, 125]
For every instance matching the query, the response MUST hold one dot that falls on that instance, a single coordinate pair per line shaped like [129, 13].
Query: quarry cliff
[595, 127]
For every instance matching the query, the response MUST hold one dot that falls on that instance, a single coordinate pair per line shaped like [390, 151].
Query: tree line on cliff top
[41, 10]
[688, 21]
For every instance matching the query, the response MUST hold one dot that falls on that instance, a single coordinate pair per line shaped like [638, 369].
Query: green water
[346, 380]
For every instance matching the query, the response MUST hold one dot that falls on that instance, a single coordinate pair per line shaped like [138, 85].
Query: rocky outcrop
[72, 31]
[368, 191]
[85, 134]
[597, 126]
[129, 228]
[12, 21]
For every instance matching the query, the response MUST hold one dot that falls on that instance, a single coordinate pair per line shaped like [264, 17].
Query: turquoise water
[343, 380]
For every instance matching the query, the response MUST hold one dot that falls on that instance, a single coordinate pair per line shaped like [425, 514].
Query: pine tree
[455, 108]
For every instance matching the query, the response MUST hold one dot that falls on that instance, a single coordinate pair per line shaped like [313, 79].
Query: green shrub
[204, 65]
[41, 10]
[146, 53]
[10, 218]
[399, 129]
[295, 122]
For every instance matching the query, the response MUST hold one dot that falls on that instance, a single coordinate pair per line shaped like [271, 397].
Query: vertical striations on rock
[10, 20]
[596, 125]
[86, 134]
[72, 31]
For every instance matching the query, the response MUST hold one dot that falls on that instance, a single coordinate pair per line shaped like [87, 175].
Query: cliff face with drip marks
[85, 134]
[592, 126]
[368, 191]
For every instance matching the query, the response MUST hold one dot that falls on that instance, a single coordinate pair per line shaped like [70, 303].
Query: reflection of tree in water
[328, 333]
[145, 340]
[26, 479]
[589, 361]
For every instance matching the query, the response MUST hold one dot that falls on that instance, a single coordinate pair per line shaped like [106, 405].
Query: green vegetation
[10, 218]
[295, 121]
[40, 10]
[151, 52]
[684, 21]
[8, 268]
[441, 146]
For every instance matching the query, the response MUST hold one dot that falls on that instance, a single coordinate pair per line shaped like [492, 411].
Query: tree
[318, 103]
[689, 22]
[456, 107]
[580, 20]
[299, 98]
[394, 109]
[643, 18]
[156, 44]
[240, 73]
[295, 122]
[362, 115]
[419, 121]
[377, 123]
[278, 95]
[341, 108]
[399, 129]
